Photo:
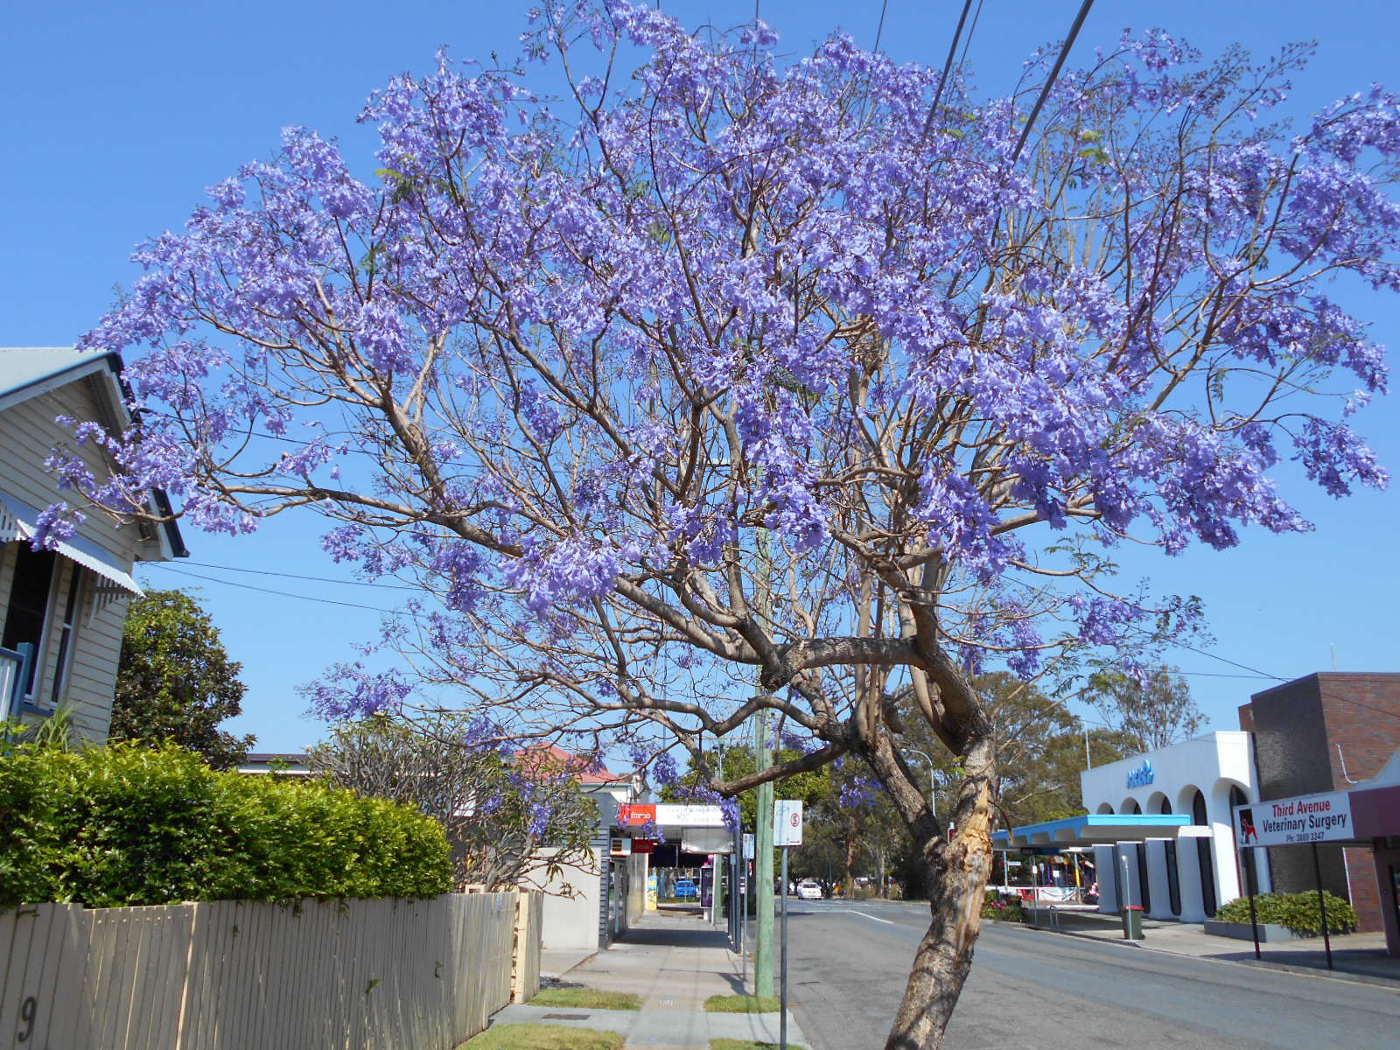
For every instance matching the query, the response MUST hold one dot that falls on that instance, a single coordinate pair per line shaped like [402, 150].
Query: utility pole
[763, 811]
[763, 866]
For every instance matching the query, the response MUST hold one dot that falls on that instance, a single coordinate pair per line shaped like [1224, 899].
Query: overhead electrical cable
[947, 67]
[268, 590]
[298, 576]
[1232, 663]
[976, 17]
[1054, 74]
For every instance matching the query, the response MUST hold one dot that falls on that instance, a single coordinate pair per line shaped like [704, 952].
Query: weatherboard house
[62, 611]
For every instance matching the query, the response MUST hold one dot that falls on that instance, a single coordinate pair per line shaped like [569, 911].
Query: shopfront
[1188, 873]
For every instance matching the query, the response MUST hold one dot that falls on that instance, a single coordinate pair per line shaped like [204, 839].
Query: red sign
[643, 845]
[635, 816]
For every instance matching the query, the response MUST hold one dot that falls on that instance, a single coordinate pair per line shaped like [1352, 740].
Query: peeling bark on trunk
[957, 878]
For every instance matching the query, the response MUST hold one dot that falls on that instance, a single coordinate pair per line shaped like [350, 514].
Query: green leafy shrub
[994, 906]
[129, 824]
[1296, 911]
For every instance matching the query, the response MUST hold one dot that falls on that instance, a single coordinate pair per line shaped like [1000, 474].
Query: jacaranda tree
[726, 381]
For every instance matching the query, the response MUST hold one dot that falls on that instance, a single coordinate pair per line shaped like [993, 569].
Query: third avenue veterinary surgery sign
[1288, 821]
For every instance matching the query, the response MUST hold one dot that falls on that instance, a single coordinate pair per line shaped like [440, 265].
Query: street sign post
[787, 832]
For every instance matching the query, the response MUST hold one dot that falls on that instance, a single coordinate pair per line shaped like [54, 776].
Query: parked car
[687, 890]
[809, 890]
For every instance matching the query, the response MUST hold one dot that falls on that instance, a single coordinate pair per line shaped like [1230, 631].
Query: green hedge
[1005, 910]
[1296, 911]
[129, 824]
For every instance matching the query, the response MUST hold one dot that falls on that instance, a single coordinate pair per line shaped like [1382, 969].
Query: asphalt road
[1032, 990]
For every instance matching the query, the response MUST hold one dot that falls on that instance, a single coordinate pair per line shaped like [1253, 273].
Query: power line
[947, 66]
[1054, 74]
[1255, 674]
[1219, 674]
[1232, 663]
[1275, 678]
[266, 590]
[976, 17]
[311, 579]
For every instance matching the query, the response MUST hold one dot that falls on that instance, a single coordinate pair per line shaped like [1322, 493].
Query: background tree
[1040, 747]
[817, 374]
[510, 818]
[852, 829]
[175, 681]
[1147, 712]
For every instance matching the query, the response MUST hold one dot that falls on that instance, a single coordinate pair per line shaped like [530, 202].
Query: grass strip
[543, 1037]
[581, 998]
[745, 1044]
[741, 1004]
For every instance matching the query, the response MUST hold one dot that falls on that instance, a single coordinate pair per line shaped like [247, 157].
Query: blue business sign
[1142, 776]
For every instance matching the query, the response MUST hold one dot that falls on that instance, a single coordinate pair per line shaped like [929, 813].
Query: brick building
[1325, 732]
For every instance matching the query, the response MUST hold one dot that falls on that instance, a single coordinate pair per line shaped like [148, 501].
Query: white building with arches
[1188, 870]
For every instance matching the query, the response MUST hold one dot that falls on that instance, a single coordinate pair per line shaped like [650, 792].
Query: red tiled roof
[552, 756]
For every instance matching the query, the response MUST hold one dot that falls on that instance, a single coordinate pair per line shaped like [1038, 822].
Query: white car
[808, 890]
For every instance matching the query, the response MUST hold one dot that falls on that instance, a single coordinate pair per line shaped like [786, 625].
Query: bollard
[1132, 922]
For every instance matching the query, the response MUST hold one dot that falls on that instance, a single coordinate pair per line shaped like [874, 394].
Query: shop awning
[1099, 829]
[18, 522]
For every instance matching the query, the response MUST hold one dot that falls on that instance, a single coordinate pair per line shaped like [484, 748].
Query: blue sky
[117, 117]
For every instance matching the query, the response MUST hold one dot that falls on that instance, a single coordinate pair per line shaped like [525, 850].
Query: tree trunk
[957, 871]
[849, 879]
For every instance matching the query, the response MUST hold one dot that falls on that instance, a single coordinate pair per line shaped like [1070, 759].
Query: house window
[29, 602]
[67, 628]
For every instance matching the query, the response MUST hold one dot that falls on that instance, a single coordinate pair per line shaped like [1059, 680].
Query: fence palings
[227, 975]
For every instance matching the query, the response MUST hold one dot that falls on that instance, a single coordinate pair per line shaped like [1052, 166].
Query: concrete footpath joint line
[673, 962]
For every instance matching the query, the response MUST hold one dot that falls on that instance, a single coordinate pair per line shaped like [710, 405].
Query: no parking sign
[787, 822]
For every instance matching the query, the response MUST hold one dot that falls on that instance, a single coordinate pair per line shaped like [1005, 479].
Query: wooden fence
[242, 975]
[525, 978]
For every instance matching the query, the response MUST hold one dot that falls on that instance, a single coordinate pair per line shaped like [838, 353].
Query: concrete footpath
[674, 962]
[1355, 956]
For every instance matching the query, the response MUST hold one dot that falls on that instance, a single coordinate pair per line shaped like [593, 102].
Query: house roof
[29, 371]
[551, 756]
[285, 763]
[22, 367]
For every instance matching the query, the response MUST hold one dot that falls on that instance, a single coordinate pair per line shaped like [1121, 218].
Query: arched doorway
[1203, 856]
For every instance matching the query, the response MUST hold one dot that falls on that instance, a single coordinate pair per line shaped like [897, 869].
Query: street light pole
[932, 784]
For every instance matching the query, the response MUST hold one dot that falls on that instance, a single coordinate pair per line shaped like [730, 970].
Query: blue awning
[1099, 828]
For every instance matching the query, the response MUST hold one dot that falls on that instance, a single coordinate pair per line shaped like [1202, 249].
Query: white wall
[1210, 764]
[1105, 859]
[570, 922]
